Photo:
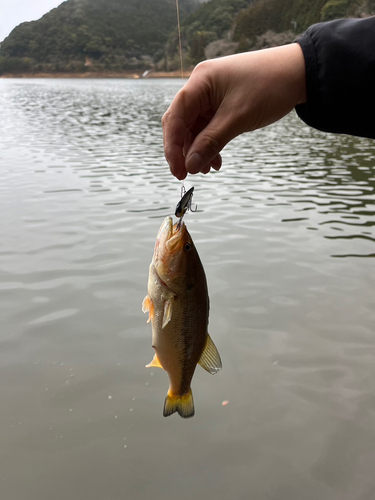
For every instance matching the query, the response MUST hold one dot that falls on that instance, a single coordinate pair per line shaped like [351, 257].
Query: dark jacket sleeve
[340, 76]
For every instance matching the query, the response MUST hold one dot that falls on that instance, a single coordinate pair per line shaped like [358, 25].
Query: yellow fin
[155, 362]
[167, 316]
[183, 405]
[148, 306]
[210, 357]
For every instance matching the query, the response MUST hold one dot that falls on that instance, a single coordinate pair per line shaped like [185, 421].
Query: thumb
[209, 142]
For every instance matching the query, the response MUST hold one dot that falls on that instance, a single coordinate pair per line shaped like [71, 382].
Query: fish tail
[182, 404]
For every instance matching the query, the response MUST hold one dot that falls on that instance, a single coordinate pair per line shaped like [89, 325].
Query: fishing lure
[185, 203]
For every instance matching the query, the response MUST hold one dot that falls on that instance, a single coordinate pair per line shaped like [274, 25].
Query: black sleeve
[340, 76]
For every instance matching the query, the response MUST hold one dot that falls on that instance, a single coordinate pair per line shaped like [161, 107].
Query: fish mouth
[170, 236]
[166, 229]
[176, 241]
[169, 242]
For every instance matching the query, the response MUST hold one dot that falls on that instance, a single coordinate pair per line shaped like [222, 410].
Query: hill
[222, 27]
[121, 35]
[211, 22]
[100, 35]
[296, 15]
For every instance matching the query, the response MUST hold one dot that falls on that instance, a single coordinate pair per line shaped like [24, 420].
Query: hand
[228, 96]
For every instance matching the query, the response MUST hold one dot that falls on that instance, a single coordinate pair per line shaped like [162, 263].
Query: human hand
[228, 96]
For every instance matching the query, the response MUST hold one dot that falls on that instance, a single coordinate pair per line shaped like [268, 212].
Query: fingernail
[194, 163]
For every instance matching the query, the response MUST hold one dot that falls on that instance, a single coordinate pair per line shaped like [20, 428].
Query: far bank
[106, 74]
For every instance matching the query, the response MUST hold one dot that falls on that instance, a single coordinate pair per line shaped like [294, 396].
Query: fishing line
[179, 38]
[183, 190]
[182, 68]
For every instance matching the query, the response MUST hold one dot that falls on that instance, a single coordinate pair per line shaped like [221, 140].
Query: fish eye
[187, 246]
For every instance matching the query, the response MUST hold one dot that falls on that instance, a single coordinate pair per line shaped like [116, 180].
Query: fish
[178, 305]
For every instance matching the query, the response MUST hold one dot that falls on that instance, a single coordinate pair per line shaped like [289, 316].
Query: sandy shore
[108, 74]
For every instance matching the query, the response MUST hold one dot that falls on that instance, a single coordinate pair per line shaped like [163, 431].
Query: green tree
[334, 9]
[197, 47]
[243, 45]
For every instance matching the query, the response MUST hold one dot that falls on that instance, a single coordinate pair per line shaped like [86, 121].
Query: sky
[15, 12]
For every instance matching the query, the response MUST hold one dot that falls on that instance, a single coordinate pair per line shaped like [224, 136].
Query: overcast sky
[15, 12]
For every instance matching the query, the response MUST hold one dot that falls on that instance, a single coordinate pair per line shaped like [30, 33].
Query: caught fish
[178, 307]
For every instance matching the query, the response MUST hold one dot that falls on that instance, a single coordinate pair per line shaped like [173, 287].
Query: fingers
[185, 109]
[192, 143]
[198, 124]
[197, 127]
[215, 164]
[174, 137]
[204, 151]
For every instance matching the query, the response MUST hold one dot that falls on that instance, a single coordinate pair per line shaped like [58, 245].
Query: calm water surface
[286, 235]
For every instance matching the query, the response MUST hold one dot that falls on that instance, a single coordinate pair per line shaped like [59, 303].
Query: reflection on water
[286, 234]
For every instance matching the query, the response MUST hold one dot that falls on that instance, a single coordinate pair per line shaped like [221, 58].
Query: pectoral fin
[155, 362]
[167, 315]
[210, 358]
[148, 306]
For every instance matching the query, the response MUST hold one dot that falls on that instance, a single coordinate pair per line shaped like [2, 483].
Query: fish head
[176, 260]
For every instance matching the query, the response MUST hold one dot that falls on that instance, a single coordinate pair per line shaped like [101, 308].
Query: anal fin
[210, 358]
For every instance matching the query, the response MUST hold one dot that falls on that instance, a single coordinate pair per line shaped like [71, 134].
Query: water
[286, 235]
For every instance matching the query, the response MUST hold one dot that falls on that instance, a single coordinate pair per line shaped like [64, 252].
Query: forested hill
[120, 35]
[105, 34]
[222, 27]
[298, 15]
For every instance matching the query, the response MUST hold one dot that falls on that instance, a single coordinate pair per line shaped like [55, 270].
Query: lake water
[286, 233]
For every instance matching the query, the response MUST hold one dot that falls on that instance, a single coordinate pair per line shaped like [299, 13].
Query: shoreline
[132, 75]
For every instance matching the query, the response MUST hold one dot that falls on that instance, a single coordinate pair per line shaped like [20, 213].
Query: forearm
[340, 76]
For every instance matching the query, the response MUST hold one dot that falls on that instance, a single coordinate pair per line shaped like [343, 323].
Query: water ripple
[286, 234]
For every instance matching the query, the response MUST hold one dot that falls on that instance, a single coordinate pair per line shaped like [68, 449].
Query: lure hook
[189, 204]
[185, 204]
